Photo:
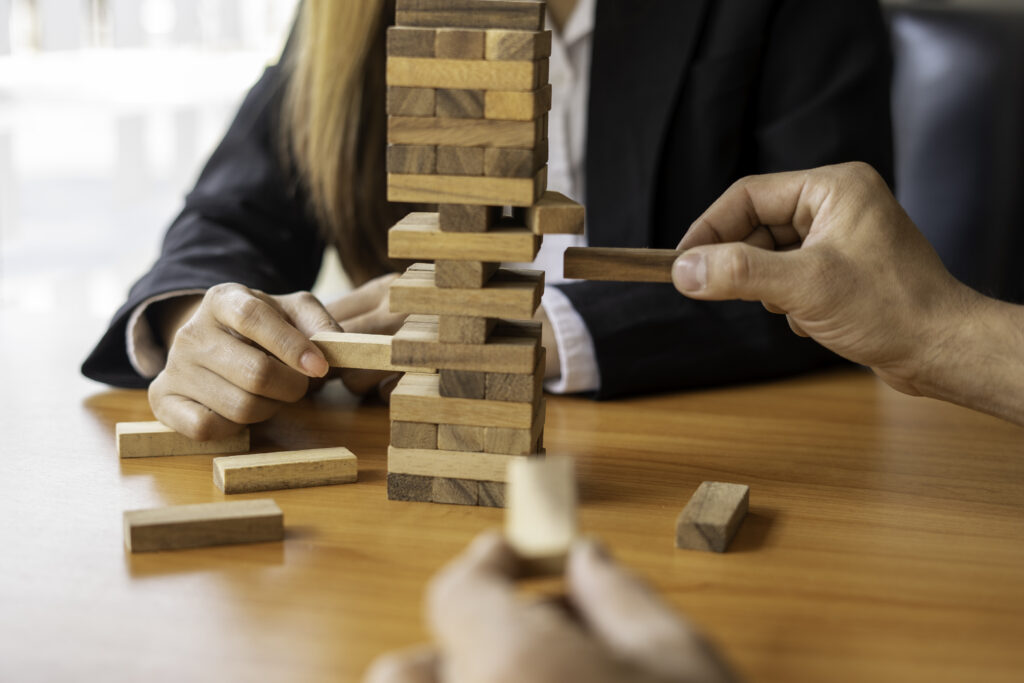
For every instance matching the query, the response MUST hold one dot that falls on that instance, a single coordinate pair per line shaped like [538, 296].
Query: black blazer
[686, 97]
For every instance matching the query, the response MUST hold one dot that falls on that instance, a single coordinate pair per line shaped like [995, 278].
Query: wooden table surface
[885, 540]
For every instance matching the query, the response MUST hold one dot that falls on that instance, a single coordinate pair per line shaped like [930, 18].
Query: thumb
[737, 271]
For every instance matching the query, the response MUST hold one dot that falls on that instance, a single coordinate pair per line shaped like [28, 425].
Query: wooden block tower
[468, 97]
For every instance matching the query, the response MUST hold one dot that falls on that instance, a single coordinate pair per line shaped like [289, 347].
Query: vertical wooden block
[410, 42]
[454, 43]
[458, 329]
[463, 274]
[462, 384]
[285, 470]
[491, 494]
[712, 517]
[459, 161]
[460, 104]
[410, 487]
[411, 101]
[413, 435]
[205, 524]
[412, 159]
[460, 438]
[150, 439]
[467, 218]
[455, 491]
[540, 517]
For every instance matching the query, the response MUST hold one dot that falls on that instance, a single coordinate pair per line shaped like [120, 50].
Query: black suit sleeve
[243, 222]
[816, 93]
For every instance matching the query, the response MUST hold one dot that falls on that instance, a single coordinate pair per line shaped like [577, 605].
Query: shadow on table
[754, 531]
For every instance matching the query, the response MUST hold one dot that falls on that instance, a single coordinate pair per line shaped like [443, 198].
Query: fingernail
[314, 364]
[690, 272]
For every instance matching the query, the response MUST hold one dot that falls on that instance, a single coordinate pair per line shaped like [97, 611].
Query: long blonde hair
[334, 126]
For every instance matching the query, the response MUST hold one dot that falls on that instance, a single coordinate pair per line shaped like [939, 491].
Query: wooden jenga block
[620, 265]
[459, 104]
[463, 132]
[149, 439]
[448, 189]
[410, 487]
[525, 15]
[418, 236]
[540, 517]
[419, 435]
[460, 438]
[463, 274]
[500, 162]
[454, 491]
[362, 351]
[712, 517]
[508, 105]
[414, 72]
[517, 46]
[462, 384]
[510, 441]
[417, 399]
[519, 387]
[205, 524]
[467, 217]
[453, 464]
[418, 159]
[555, 214]
[411, 42]
[491, 494]
[456, 43]
[508, 350]
[285, 470]
[460, 329]
[460, 161]
[411, 101]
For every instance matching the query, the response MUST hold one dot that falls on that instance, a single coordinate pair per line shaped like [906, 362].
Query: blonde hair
[335, 126]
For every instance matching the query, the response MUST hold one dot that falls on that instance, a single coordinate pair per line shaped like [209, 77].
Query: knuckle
[258, 373]
[736, 266]
[242, 408]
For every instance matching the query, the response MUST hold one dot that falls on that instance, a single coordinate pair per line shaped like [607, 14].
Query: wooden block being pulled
[516, 46]
[454, 464]
[467, 217]
[712, 517]
[508, 105]
[512, 347]
[520, 387]
[460, 329]
[410, 42]
[462, 384]
[460, 161]
[526, 15]
[414, 72]
[460, 438]
[515, 163]
[413, 159]
[461, 126]
[362, 351]
[410, 487]
[511, 441]
[540, 515]
[285, 470]
[449, 189]
[619, 265]
[417, 398]
[555, 214]
[205, 524]
[149, 439]
[413, 435]
[411, 101]
[419, 236]
[463, 274]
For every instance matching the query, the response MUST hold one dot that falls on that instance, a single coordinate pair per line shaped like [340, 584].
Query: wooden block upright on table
[454, 464]
[411, 101]
[525, 15]
[502, 45]
[415, 72]
[285, 470]
[411, 42]
[467, 217]
[417, 159]
[712, 516]
[555, 214]
[619, 265]
[540, 517]
[205, 524]
[509, 105]
[460, 128]
[463, 274]
[362, 351]
[449, 189]
[419, 236]
[417, 398]
[511, 348]
[150, 439]
[419, 435]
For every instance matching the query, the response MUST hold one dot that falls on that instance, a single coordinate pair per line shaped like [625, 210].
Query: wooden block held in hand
[540, 516]
[410, 42]
[460, 438]
[411, 101]
[413, 72]
[285, 470]
[205, 524]
[556, 214]
[460, 329]
[619, 265]
[456, 43]
[418, 236]
[467, 217]
[462, 384]
[419, 435]
[419, 159]
[410, 487]
[468, 161]
[362, 351]
[502, 45]
[507, 105]
[417, 398]
[454, 464]
[149, 439]
[524, 15]
[712, 517]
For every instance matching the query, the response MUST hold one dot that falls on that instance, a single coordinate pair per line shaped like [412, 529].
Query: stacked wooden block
[467, 130]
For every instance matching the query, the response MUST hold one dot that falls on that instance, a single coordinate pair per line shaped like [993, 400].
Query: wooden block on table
[540, 516]
[468, 161]
[501, 162]
[525, 15]
[507, 105]
[555, 214]
[513, 347]
[619, 265]
[417, 398]
[150, 439]
[410, 487]
[451, 491]
[459, 127]
[452, 464]
[418, 159]
[491, 494]
[362, 351]
[205, 524]
[509, 441]
[518, 387]
[460, 329]
[448, 189]
[462, 384]
[457, 43]
[411, 42]
[460, 104]
[712, 517]
[467, 217]
[415, 72]
[419, 435]
[517, 46]
[463, 274]
[411, 101]
[460, 438]
[285, 470]
[418, 236]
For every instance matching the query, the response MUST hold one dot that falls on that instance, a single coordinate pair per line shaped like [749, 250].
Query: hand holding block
[205, 524]
[712, 517]
[540, 517]
[150, 439]
[360, 351]
[285, 470]
[619, 265]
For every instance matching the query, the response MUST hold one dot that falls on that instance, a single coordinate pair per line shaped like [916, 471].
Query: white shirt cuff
[148, 356]
[577, 357]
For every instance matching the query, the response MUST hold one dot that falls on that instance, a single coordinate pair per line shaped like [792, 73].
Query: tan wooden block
[619, 265]
[502, 45]
[460, 438]
[460, 329]
[509, 294]
[454, 491]
[540, 513]
[500, 162]
[468, 161]
[511, 441]
[410, 42]
[712, 516]
[417, 159]
[519, 387]
[285, 470]
[460, 128]
[411, 101]
[462, 384]
[509, 349]
[527, 15]
[410, 487]
[491, 494]
[418, 236]
[467, 217]
[517, 105]
[151, 439]
[413, 435]
[413, 72]
[452, 464]
[457, 43]
[463, 274]
[362, 351]
[417, 399]
[447, 189]
[205, 524]
[555, 214]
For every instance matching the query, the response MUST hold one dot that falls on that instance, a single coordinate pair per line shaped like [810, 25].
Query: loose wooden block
[410, 487]
[410, 42]
[527, 15]
[516, 105]
[418, 159]
[462, 384]
[520, 387]
[448, 189]
[467, 161]
[417, 398]
[712, 517]
[411, 101]
[508, 441]
[460, 104]
[516, 46]
[462, 127]
[491, 494]
[555, 214]
[460, 438]
[456, 43]
[463, 274]
[515, 163]
[619, 265]
[413, 72]
[467, 217]
[460, 329]
[205, 524]
[419, 435]
[540, 514]
[453, 464]
[454, 491]
[285, 470]
[418, 236]
[150, 439]
[362, 351]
